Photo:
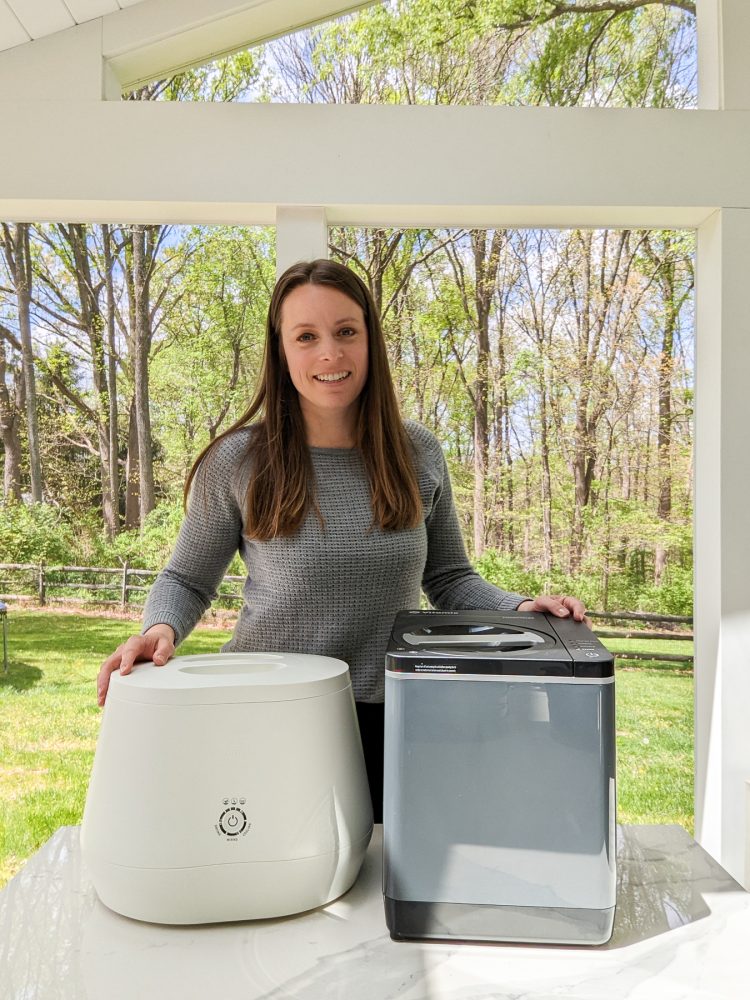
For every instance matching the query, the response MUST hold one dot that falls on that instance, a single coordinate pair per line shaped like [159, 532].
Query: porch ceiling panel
[86, 10]
[12, 32]
[25, 20]
[42, 17]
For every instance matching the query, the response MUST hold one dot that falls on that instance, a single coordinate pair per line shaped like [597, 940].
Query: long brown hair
[282, 485]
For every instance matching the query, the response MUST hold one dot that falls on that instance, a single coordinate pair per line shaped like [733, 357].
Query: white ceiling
[24, 20]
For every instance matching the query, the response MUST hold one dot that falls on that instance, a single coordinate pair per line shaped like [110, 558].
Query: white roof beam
[476, 166]
[161, 37]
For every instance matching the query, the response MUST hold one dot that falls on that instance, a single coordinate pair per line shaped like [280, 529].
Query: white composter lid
[218, 678]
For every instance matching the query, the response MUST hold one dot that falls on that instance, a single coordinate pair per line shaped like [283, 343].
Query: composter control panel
[233, 822]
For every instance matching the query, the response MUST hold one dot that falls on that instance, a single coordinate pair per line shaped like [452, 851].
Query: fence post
[124, 594]
[41, 587]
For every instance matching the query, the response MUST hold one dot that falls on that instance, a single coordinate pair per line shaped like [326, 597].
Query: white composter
[227, 787]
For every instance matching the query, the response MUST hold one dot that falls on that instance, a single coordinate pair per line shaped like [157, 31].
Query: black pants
[371, 722]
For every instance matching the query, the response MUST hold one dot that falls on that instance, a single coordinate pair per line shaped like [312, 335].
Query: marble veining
[682, 932]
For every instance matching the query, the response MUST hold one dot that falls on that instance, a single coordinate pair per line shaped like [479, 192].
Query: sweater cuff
[178, 627]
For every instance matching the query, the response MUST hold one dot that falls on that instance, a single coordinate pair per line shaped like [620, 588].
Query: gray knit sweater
[332, 591]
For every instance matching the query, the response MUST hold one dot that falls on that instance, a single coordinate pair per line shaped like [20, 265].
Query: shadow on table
[663, 877]
[20, 676]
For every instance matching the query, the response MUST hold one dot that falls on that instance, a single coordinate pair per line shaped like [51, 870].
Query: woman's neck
[334, 431]
[332, 440]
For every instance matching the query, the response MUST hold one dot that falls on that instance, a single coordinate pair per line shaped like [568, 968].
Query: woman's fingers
[576, 607]
[164, 651]
[562, 605]
[105, 672]
[137, 647]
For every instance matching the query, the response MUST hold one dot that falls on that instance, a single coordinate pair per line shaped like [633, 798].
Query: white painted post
[66, 65]
[301, 234]
[723, 75]
[722, 538]
[722, 473]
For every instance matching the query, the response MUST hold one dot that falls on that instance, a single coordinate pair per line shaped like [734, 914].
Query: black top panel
[495, 642]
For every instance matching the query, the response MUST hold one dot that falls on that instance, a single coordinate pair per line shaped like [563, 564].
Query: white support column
[722, 472]
[301, 234]
[722, 539]
[723, 33]
[708, 30]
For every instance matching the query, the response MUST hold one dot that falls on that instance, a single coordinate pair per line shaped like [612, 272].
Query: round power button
[232, 822]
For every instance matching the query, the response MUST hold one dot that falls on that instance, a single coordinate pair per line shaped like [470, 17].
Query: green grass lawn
[49, 722]
[654, 734]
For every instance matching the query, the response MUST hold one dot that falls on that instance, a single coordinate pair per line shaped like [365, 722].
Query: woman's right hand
[156, 643]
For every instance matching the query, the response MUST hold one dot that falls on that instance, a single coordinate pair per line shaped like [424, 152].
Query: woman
[340, 510]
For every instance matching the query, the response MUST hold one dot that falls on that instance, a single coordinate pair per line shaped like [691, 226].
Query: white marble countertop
[682, 932]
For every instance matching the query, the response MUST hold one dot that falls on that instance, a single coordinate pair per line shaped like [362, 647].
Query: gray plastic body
[499, 807]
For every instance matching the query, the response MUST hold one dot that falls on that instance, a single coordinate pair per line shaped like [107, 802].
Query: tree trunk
[132, 475]
[486, 263]
[142, 344]
[505, 532]
[546, 477]
[18, 254]
[666, 366]
[114, 468]
[11, 407]
[672, 302]
[603, 316]
[93, 325]
[540, 324]
[581, 447]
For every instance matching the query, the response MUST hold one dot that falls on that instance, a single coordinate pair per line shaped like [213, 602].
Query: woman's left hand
[561, 605]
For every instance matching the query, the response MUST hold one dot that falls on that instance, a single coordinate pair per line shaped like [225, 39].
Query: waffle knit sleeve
[210, 535]
[449, 580]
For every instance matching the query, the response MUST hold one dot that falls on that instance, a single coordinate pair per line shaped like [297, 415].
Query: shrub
[626, 589]
[35, 532]
[674, 596]
[150, 548]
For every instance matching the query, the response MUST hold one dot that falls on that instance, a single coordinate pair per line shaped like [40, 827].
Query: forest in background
[555, 366]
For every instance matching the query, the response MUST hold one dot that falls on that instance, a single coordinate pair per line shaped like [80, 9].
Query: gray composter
[499, 790]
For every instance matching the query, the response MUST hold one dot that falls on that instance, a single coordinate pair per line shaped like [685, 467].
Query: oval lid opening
[233, 677]
[236, 669]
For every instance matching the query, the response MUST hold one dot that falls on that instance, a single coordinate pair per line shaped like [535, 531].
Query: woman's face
[324, 338]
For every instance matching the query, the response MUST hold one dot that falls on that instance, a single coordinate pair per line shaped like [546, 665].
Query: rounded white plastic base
[220, 893]
[221, 793]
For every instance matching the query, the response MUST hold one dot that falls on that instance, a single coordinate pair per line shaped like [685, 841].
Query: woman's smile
[331, 377]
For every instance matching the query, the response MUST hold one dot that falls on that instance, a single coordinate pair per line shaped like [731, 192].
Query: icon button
[232, 822]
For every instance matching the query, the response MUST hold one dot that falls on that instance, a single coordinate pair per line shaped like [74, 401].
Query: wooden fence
[71, 583]
[669, 632]
[65, 584]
